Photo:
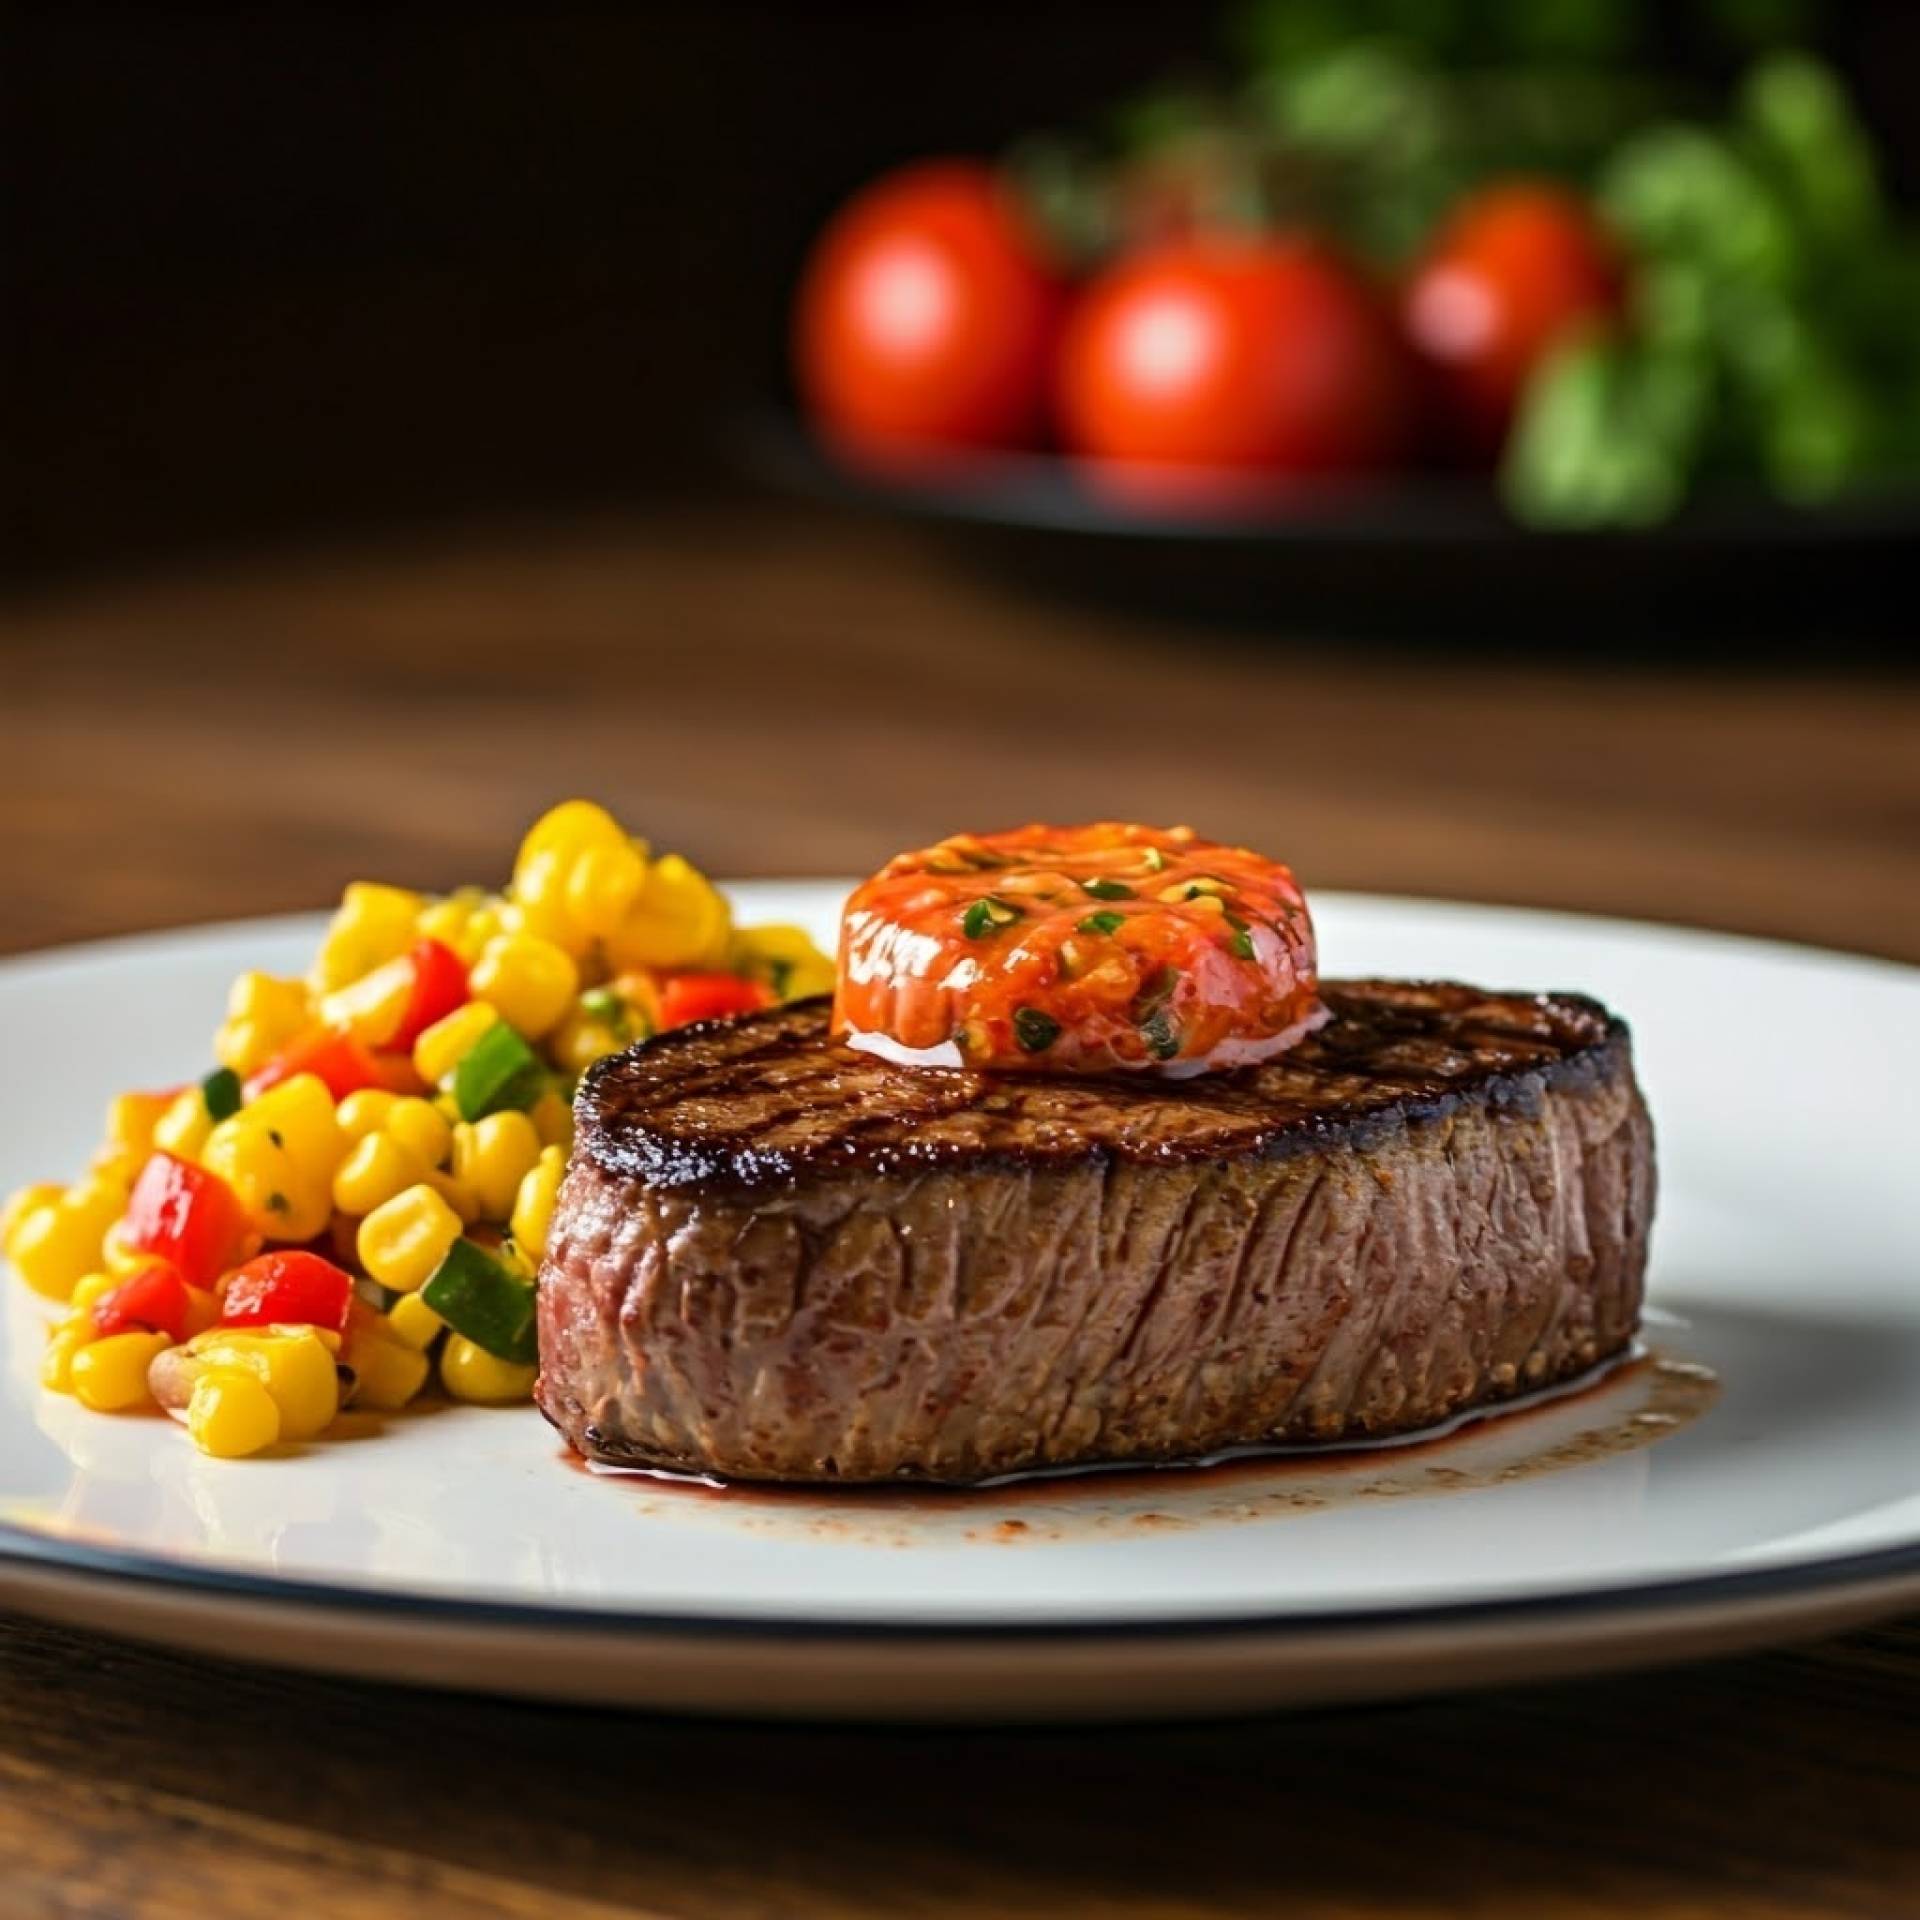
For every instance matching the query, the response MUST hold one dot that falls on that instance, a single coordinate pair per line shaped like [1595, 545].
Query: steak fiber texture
[775, 1258]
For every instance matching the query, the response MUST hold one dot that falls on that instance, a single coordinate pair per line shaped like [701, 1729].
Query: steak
[775, 1258]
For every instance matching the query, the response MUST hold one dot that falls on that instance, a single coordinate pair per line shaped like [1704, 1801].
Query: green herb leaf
[1100, 923]
[1107, 889]
[498, 1071]
[1035, 1031]
[481, 1300]
[987, 915]
[220, 1094]
[1161, 1035]
[1241, 945]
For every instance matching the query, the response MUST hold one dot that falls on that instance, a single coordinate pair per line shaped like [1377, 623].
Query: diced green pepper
[498, 1071]
[480, 1299]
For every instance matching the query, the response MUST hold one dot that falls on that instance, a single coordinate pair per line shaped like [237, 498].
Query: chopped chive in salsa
[220, 1094]
[987, 915]
[1241, 945]
[1107, 889]
[1105, 922]
[1035, 1031]
[1161, 1035]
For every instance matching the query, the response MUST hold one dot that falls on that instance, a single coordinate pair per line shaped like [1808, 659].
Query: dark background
[289, 271]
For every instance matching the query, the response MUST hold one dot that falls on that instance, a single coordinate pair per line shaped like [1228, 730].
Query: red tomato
[155, 1298]
[186, 1216]
[439, 988]
[927, 314]
[338, 1058]
[292, 1289]
[1513, 271]
[708, 996]
[1244, 354]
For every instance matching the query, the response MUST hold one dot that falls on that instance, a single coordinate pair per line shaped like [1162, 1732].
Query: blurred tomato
[928, 313]
[1514, 270]
[1226, 352]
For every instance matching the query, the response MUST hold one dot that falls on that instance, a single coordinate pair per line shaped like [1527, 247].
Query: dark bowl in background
[1434, 555]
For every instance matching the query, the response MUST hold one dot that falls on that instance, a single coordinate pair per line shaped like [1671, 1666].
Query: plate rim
[29, 1556]
[23, 1549]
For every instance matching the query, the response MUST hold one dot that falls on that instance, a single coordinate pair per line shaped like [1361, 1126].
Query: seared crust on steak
[777, 1258]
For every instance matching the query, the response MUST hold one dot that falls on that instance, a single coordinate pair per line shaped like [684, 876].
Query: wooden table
[779, 693]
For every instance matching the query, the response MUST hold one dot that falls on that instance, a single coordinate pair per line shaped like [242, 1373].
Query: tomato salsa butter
[1078, 949]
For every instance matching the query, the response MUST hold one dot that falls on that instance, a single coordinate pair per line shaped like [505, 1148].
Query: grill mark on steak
[699, 1103]
[777, 1258]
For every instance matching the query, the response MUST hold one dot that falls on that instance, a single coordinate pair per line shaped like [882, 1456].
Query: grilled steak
[777, 1259]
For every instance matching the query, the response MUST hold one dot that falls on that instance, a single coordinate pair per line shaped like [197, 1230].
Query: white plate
[456, 1547]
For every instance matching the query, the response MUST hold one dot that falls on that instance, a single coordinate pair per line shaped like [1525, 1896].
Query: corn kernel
[413, 1323]
[370, 1176]
[533, 1204]
[294, 1364]
[420, 1129]
[387, 1373]
[110, 1375]
[301, 1112]
[63, 1343]
[182, 1130]
[89, 1288]
[539, 902]
[783, 958]
[552, 1117]
[491, 1157]
[231, 1413]
[680, 920]
[456, 1193]
[581, 1039]
[280, 1002]
[20, 1203]
[471, 1373]
[131, 1119]
[264, 1013]
[365, 1111]
[602, 884]
[447, 1042]
[118, 1257]
[372, 1007]
[568, 829]
[55, 1243]
[281, 1201]
[529, 981]
[372, 925]
[402, 1242]
[117, 1166]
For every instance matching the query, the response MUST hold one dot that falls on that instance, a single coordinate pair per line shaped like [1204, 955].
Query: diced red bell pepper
[290, 1288]
[338, 1058]
[706, 996]
[397, 1073]
[439, 988]
[186, 1216]
[155, 1298]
